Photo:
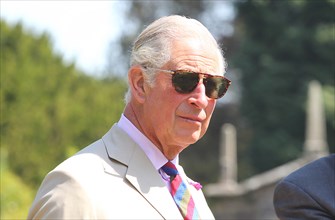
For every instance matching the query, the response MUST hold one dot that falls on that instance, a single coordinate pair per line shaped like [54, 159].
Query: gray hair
[152, 46]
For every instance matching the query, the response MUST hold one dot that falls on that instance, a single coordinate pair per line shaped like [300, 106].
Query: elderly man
[132, 172]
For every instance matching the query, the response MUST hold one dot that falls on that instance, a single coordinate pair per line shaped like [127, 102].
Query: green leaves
[284, 45]
[47, 106]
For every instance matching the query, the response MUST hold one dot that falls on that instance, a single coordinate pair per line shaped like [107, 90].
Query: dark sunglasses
[186, 81]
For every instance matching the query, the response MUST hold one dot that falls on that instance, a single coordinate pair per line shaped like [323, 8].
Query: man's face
[173, 120]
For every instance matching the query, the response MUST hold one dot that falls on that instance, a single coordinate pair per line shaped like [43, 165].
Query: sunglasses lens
[185, 82]
[216, 87]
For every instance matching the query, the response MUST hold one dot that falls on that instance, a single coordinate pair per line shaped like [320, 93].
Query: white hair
[152, 46]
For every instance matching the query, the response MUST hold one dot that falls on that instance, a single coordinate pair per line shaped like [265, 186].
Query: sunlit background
[81, 31]
[63, 69]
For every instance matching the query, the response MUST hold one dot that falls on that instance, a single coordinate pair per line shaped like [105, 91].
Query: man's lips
[193, 118]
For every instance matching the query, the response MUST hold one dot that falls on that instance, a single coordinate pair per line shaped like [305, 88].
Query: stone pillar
[228, 157]
[315, 140]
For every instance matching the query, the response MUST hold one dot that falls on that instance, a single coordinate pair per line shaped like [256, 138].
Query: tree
[282, 46]
[49, 109]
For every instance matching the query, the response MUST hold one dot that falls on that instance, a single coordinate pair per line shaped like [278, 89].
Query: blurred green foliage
[16, 196]
[283, 45]
[49, 109]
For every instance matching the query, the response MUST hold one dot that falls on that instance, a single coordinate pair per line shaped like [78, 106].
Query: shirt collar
[156, 157]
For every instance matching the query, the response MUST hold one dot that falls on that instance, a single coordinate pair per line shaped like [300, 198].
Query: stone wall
[253, 205]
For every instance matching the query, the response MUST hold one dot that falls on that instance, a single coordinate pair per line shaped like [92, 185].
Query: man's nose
[198, 96]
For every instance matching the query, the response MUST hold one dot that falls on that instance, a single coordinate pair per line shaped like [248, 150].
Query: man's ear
[136, 83]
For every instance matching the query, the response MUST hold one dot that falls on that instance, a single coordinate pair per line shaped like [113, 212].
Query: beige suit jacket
[110, 179]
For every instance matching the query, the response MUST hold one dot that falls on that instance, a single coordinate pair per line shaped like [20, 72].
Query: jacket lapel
[141, 173]
[145, 178]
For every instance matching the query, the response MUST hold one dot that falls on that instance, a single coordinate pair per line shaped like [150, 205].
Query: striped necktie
[180, 194]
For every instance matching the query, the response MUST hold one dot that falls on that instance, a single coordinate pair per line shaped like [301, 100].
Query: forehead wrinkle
[196, 55]
[203, 65]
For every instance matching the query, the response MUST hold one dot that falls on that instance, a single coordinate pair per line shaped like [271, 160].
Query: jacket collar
[140, 172]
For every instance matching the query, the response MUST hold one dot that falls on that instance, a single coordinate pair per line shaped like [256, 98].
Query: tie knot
[170, 169]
